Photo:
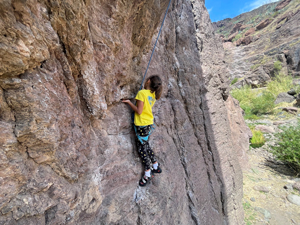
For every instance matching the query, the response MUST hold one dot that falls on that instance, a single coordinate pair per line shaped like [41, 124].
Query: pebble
[298, 115]
[252, 199]
[261, 188]
[281, 116]
[295, 199]
[296, 185]
[279, 122]
[265, 212]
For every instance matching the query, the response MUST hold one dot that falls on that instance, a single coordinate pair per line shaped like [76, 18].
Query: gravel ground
[270, 187]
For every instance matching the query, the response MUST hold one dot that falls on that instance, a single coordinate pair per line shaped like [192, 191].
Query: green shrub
[237, 37]
[257, 139]
[263, 103]
[287, 149]
[281, 83]
[234, 81]
[277, 67]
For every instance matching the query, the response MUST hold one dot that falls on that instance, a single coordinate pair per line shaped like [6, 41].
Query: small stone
[265, 212]
[292, 92]
[261, 188]
[297, 185]
[252, 199]
[298, 115]
[279, 122]
[295, 199]
[265, 129]
[282, 116]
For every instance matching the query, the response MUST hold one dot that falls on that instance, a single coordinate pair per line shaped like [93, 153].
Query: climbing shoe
[144, 180]
[158, 170]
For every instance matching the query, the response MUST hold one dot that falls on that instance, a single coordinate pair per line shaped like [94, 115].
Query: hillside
[254, 41]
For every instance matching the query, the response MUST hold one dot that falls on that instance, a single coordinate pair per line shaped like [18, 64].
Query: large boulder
[282, 4]
[232, 36]
[264, 23]
[258, 78]
[284, 97]
[244, 41]
[236, 28]
[250, 31]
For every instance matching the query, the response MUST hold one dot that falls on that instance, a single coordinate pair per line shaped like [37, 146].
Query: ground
[268, 183]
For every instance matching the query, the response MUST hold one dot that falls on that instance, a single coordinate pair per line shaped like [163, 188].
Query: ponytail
[156, 86]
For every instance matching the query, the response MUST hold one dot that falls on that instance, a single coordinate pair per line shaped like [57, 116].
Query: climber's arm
[138, 109]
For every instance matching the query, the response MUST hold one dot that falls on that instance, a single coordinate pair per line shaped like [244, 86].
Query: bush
[237, 37]
[277, 67]
[281, 83]
[263, 103]
[234, 81]
[257, 139]
[287, 149]
[254, 103]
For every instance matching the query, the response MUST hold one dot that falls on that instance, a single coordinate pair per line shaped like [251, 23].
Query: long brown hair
[155, 85]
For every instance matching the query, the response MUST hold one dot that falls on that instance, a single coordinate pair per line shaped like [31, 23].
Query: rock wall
[67, 153]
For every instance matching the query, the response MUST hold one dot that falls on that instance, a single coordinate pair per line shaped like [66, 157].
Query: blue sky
[221, 9]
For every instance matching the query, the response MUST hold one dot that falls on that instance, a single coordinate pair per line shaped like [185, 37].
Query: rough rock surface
[67, 152]
[263, 24]
[284, 97]
[277, 38]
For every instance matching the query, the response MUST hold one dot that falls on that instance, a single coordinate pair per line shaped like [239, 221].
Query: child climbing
[143, 124]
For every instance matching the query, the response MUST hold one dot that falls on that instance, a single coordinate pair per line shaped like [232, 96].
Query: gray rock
[284, 97]
[292, 110]
[292, 92]
[297, 185]
[265, 212]
[265, 129]
[262, 189]
[252, 199]
[295, 199]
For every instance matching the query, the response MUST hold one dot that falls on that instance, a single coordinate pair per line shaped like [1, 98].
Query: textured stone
[263, 24]
[295, 199]
[67, 151]
[250, 31]
[265, 129]
[282, 4]
[284, 97]
[262, 189]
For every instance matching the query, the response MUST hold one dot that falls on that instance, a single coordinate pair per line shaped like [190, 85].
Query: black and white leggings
[145, 152]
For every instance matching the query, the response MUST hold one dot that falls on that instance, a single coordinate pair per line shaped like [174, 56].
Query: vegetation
[280, 83]
[237, 37]
[257, 139]
[258, 102]
[234, 81]
[254, 103]
[288, 145]
[250, 215]
[277, 67]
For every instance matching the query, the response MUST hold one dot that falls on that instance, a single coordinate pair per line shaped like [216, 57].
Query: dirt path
[268, 186]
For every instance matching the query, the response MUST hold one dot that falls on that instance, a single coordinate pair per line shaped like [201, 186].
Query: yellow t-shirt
[146, 117]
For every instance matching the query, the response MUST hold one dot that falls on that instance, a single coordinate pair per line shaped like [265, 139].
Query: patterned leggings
[145, 152]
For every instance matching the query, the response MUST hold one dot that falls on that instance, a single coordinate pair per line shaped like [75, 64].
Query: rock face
[67, 150]
[273, 36]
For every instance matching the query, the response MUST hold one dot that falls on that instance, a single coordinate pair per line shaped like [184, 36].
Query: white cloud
[258, 3]
[209, 10]
[255, 4]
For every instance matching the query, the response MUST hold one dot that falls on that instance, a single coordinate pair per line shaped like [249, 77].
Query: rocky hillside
[67, 148]
[254, 41]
